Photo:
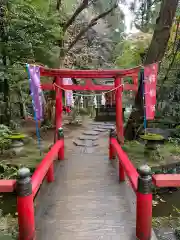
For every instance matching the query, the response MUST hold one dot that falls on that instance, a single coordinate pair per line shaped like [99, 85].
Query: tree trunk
[22, 106]
[155, 53]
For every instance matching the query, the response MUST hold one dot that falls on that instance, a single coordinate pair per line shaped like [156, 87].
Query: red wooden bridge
[84, 198]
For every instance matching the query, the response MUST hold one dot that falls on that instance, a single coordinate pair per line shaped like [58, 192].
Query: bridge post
[119, 109]
[25, 205]
[121, 170]
[61, 137]
[112, 134]
[59, 106]
[144, 204]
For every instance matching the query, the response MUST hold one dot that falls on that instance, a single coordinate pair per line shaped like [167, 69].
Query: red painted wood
[119, 111]
[135, 79]
[126, 87]
[121, 173]
[26, 221]
[59, 104]
[143, 216]
[111, 151]
[87, 73]
[7, 185]
[166, 180]
[61, 151]
[129, 169]
[50, 174]
[43, 167]
[110, 98]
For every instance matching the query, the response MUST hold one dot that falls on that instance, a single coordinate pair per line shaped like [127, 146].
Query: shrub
[4, 141]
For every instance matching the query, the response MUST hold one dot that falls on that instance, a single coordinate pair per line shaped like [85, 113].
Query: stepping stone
[111, 124]
[91, 133]
[97, 123]
[103, 124]
[86, 137]
[106, 127]
[85, 144]
[99, 130]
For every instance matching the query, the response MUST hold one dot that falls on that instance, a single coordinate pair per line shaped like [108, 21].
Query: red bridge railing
[141, 181]
[26, 187]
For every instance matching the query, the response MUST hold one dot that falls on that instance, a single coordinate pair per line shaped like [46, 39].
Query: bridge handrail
[26, 187]
[166, 180]
[9, 185]
[42, 169]
[127, 165]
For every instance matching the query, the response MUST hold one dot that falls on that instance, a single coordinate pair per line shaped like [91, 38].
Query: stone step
[91, 133]
[87, 137]
[86, 143]
[100, 129]
[106, 127]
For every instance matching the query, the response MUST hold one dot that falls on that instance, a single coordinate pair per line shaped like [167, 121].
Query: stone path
[86, 201]
[90, 137]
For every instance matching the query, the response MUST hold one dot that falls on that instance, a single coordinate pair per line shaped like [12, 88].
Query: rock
[86, 143]
[166, 133]
[17, 146]
[99, 129]
[92, 133]
[86, 137]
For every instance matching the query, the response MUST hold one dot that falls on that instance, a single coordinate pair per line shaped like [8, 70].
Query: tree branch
[174, 52]
[91, 24]
[58, 4]
[155, 53]
[82, 6]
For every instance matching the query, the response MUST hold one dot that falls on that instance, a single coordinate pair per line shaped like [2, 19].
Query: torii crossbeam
[116, 74]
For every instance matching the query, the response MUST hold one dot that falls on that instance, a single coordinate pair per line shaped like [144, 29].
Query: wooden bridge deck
[86, 201]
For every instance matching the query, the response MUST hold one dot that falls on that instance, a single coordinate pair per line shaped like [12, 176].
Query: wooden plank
[129, 168]
[166, 180]
[88, 73]
[85, 202]
[7, 185]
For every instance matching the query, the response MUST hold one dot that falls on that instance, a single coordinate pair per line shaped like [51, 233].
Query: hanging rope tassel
[72, 102]
[81, 101]
[103, 100]
[95, 101]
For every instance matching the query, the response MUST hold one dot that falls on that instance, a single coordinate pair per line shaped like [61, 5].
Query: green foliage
[146, 15]
[4, 131]
[30, 33]
[8, 227]
[169, 77]
[4, 141]
[7, 172]
[28, 30]
[129, 52]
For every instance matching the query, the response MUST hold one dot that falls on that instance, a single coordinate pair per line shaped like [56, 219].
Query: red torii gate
[117, 75]
[26, 187]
